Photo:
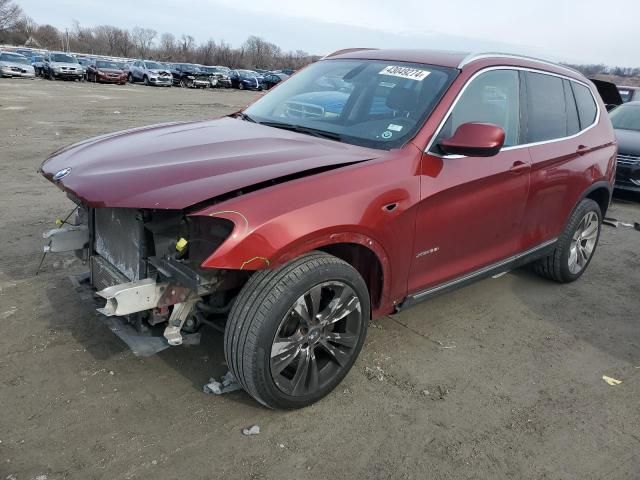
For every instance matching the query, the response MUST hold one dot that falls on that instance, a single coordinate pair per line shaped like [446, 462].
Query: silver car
[150, 72]
[62, 65]
[15, 65]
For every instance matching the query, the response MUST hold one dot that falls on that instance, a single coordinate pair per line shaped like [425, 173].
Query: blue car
[325, 104]
[246, 80]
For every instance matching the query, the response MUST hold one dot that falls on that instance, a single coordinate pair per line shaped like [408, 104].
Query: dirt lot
[502, 379]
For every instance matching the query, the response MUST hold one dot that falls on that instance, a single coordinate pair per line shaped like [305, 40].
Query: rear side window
[546, 108]
[587, 109]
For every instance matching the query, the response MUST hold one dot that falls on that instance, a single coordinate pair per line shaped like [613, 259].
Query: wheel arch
[599, 192]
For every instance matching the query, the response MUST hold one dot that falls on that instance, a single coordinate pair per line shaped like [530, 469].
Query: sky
[575, 31]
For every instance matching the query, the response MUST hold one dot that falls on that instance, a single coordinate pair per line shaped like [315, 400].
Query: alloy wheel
[316, 339]
[583, 242]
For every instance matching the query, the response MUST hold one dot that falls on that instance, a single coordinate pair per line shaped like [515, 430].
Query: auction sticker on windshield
[405, 72]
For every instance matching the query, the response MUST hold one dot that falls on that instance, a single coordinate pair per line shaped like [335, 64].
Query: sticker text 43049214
[405, 72]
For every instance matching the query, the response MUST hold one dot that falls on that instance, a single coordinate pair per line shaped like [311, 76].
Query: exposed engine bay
[145, 267]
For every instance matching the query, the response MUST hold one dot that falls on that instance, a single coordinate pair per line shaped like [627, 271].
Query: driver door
[471, 210]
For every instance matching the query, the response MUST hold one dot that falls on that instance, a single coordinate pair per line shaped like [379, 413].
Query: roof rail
[479, 56]
[347, 50]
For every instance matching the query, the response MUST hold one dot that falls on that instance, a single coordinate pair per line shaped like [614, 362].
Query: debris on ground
[227, 384]
[614, 222]
[611, 381]
[254, 430]
[374, 373]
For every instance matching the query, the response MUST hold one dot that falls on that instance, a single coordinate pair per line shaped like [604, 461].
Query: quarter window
[573, 123]
[492, 97]
[587, 108]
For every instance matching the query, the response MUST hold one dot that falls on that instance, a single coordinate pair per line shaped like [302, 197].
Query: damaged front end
[145, 265]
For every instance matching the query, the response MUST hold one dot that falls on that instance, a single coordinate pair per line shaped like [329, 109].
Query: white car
[15, 65]
[149, 72]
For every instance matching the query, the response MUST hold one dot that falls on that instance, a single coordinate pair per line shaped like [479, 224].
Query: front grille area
[627, 159]
[119, 239]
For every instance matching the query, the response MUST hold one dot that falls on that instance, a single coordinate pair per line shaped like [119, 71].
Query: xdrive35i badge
[60, 174]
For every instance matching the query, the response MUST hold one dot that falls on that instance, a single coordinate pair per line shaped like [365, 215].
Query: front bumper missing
[143, 342]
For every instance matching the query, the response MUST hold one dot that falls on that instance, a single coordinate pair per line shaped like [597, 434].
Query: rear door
[471, 211]
[559, 115]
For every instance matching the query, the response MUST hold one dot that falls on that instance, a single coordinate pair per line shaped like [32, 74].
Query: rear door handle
[519, 167]
[582, 149]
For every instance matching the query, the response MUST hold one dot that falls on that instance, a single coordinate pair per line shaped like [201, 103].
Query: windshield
[63, 58]
[84, 61]
[373, 103]
[105, 64]
[247, 74]
[153, 66]
[626, 117]
[10, 57]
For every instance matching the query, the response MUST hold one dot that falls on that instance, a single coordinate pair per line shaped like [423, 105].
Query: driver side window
[492, 97]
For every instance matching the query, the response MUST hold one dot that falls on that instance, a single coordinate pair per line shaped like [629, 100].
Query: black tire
[556, 266]
[240, 86]
[261, 311]
[130, 78]
[145, 79]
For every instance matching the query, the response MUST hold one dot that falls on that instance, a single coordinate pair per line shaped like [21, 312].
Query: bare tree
[10, 15]
[168, 47]
[47, 36]
[143, 40]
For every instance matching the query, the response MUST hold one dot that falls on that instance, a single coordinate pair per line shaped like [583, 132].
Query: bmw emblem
[60, 174]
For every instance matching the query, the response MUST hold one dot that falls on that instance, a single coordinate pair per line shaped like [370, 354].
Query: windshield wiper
[244, 116]
[306, 130]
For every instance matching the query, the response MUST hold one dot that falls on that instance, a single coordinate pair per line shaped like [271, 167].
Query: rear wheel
[295, 332]
[575, 247]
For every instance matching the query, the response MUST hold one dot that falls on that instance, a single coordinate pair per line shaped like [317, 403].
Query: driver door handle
[519, 167]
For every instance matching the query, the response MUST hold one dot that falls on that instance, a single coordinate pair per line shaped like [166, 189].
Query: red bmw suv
[367, 182]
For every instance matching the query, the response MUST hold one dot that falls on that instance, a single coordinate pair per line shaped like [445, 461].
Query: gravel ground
[502, 379]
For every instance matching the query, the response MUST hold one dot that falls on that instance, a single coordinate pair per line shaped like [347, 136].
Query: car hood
[65, 64]
[16, 64]
[110, 70]
[158, 71]
[174, 166]
[628, 141]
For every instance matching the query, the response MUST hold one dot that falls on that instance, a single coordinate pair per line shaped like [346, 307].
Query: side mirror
[474, 140]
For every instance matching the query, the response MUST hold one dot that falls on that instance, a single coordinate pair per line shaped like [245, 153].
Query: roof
[445, 58]
[431, 57]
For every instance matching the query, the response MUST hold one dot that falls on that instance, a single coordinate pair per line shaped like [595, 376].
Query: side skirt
[502, 266]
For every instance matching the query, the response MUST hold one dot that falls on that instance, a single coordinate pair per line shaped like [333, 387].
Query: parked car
[37, 62]
[245, 80]
[222, 74]
[272, 79]
[291, 232]
[626, 122]
[150, 73]
[609, 93]
[189, 76]
[62, 65]
[84, 63]
[15, 65]
[211, 73]
[629, 94]
[106, 71]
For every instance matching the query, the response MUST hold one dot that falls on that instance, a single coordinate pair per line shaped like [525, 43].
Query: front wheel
[240, 86]
[294, 332]
[146, 80]
[574, 249]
